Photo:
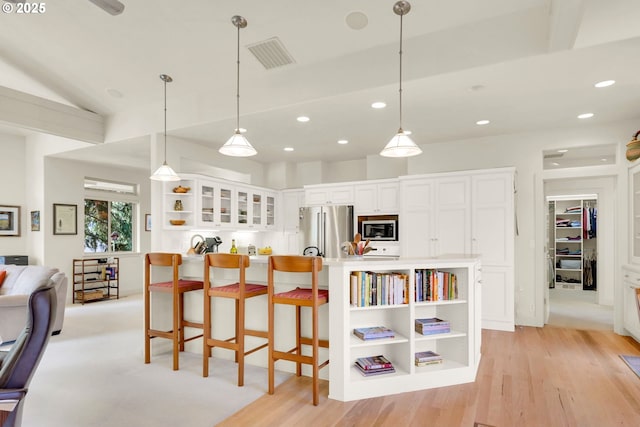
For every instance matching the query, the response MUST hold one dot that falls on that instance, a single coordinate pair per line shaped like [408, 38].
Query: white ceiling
[523, 65]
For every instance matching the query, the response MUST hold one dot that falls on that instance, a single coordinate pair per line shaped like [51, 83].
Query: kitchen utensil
[197, 248]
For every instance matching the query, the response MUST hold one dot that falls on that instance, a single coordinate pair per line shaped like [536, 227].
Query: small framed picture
[35, 220]
[65, 219]
[147, 222]
[9, 220]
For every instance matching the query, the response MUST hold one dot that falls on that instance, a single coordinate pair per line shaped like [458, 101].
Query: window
[109, 210]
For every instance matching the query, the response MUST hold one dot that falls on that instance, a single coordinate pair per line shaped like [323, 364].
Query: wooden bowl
[177, 221]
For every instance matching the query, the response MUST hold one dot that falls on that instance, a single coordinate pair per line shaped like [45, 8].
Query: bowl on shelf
[177, 221]
[181, 190]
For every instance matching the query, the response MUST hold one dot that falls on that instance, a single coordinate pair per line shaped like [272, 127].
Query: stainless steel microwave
[379, 228]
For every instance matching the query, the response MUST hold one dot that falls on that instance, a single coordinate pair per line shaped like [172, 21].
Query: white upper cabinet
[377, 198]
[328, 195]
[436, 216]
[292, 201]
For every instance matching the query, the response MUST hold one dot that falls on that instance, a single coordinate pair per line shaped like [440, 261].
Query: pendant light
[238, 145]
[164, 172]
[401, 144]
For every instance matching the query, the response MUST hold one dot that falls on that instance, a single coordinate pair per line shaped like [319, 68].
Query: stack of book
[424, 358]
[432, 325]
[374, 365]
[374, 332]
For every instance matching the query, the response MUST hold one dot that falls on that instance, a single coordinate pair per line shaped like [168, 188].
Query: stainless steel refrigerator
[326, 228]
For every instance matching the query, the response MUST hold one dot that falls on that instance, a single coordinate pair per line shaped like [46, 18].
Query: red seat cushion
[235, 288]
[183, 285]
[304, 294]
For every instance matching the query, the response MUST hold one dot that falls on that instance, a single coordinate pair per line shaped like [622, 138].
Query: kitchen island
[459, 347]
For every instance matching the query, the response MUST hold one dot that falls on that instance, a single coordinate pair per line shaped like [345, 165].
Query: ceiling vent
[271, 53]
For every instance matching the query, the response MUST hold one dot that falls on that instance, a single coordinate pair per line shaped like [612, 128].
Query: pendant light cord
[400, 79]
[165, 121]
[238, 85]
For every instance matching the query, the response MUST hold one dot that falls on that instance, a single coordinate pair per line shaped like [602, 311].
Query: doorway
[580, 252]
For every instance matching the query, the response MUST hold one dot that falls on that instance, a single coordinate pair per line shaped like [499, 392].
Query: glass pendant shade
[165, 173]
[401, 145]
[238, 146]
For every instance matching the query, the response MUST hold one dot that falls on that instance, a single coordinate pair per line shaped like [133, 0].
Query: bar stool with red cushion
[177, 288]
[299, 297]
[239, 291]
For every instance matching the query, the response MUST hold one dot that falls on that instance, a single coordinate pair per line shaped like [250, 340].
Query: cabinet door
[256, 215]
[634, 197]
[366, 198]
[292, 201]
[227, 209]
[417, 222]
[631, 307]
[242, 208]
[388, 197]
[206, 204]
[453, 216]
[492, 216]
[269, 210]
[330, 195]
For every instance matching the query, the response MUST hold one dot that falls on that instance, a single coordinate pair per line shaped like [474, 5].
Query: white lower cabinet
[459, 348]
[631, 282]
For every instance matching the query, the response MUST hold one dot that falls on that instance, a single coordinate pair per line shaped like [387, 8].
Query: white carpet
[93, 375]
[579, 310]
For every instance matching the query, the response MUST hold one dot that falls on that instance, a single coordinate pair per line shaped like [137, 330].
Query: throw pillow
[3, 274]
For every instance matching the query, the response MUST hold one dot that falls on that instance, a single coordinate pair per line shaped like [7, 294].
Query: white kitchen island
[459, 348]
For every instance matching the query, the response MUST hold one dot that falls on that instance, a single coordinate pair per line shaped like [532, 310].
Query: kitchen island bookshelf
[459, 347]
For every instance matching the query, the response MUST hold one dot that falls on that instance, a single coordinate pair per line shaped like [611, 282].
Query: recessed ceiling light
[603, 160]
[379, 104]
[114, 92]
[242, 130]
[564, 150]
[288, 148]
[605, 83]
[482, 122]
[555, 164]
[343, 141]
[303, 119]
[356, 20]
[585, 116]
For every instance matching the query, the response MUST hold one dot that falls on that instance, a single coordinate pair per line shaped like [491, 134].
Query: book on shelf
[373, 332]
[371, 372]
[434, 285]
[432, 325]
[374, 288]
[427, 356]
[429, 362]
[372, 363]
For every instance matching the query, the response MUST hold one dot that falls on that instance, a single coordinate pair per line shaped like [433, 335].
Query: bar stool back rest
[239, 291]
[299, 297]
[177, 288]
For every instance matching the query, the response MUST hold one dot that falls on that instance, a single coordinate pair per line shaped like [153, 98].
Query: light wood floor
[535, 377]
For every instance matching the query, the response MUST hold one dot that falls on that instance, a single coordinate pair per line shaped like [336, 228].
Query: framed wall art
[9, 220]
[65, 219]
[35, 220]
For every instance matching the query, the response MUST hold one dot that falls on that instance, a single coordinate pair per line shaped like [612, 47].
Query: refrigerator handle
[324, 234]
[319, 230]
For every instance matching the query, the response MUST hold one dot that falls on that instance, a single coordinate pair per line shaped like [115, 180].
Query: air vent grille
[271, 53]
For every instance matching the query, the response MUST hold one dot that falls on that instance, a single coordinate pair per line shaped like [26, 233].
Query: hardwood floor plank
[533, 377]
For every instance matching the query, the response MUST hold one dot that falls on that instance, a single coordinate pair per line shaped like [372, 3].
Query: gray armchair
[19, 364]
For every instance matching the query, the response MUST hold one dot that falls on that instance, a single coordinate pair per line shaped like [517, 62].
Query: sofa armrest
[7, 301]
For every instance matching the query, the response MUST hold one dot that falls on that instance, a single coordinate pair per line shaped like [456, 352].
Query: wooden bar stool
[299, 297]
[176, 287]
[239, 291]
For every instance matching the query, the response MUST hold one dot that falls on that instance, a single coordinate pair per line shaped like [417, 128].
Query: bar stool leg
[147, 325]
[298, 339]
[176, 333]
[271, 343]
[316, 357]
[240, 340]
[206, 350]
